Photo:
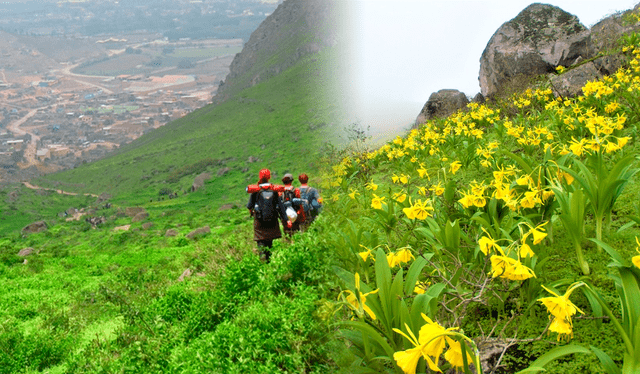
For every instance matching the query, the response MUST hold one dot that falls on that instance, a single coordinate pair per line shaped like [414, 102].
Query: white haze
[404, 50]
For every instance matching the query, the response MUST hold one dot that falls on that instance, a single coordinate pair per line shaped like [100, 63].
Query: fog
[404, 50]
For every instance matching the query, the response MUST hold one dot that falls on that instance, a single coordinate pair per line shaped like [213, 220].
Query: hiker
[265, 206]
[292, 204]
[311, 199]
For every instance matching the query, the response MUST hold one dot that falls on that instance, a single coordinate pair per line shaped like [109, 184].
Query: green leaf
[607, 363]
[413, 274]
[554, 354]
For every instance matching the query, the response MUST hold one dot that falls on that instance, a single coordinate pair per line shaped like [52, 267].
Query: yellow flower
[525, 250]
[455, 166]
[454, 354]
[420, 210]
[467, 200]
[560, 69]
[408, 360]
[537, 232]
[400, 197]
[365, 254]
[353, 194]
[371, 186]
[562, 309]
[404, 255]
[420, 287]
[487, 243]
[509, 268]
[437, 189]
[376, 202]
[636, 259]
[356, 301]
[422, 172]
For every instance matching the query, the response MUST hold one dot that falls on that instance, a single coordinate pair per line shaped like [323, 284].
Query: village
[70, 94]
[58, 119]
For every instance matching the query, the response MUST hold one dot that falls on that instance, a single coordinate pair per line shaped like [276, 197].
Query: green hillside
[282, 122]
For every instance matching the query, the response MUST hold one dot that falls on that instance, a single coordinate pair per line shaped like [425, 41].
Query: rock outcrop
[34, 227]
[198, 232]
[442, 104]
[261, 57]
[535, 42]
[198, 182]
[570, 83]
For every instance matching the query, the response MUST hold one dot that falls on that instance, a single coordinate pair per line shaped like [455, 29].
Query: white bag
[291, 214]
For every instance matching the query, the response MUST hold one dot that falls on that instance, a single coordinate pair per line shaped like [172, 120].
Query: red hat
[264, 174]
[303, 178]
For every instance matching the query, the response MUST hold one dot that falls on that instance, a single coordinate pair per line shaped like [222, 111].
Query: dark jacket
[267, 230]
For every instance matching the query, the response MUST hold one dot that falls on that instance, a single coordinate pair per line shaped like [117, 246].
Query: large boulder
[570, 83]
[198, 182]
[140, 217]
[442, 104]
[198, 232]
[34, 227]
[134, 211]
[535, 42]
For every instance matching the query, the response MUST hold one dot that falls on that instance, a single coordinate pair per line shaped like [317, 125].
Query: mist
[404, 50]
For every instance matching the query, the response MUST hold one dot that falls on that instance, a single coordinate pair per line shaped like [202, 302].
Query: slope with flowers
[501, 237]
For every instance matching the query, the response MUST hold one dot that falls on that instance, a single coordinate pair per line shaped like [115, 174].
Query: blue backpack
[309, 196]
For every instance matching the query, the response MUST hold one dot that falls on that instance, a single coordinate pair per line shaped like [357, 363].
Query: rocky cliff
[537, 41]
[297, 28]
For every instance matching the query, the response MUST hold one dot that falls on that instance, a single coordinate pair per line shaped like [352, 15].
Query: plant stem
[599, 231]
[584, 265]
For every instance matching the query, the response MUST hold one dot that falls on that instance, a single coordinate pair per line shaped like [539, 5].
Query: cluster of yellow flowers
[430, 344]
[434, 155]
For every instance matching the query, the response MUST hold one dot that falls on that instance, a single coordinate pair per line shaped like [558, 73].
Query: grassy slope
[282, 130]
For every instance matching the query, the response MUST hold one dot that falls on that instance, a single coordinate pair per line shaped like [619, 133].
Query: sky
[404, 50]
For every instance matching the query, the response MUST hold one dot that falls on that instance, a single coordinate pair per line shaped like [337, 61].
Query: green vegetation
[506, 232]
[283, 131]
[507, 226]
[99, 299]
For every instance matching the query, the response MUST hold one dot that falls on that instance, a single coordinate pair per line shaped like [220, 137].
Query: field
[152, 58]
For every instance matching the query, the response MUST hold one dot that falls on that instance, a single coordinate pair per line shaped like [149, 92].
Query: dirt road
[33, 187]
[30, 149]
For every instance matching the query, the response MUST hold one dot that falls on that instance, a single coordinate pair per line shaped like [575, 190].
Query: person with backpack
[266, 207]
[312, 202]
[292, 204]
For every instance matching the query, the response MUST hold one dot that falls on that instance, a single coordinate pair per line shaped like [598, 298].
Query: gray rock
[570, 83]
[442, 104]
[25, 252]
[198, 182]
[34, 227]
[103, 197]
[147, 225]
[140, 217]
[535, 42]
[171, 232]
[133, 211]
[223, 171]
[198, 232]
[185, 274]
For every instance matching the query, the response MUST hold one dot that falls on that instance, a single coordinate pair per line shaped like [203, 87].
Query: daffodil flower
[562, 309]
[509, 268]
[358, 302]
[377, 201]
[455, 166]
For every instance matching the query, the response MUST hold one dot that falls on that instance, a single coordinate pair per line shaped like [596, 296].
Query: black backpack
[289, 195]
[265, 205]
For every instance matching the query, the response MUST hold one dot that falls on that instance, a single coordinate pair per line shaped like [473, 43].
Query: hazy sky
[404, 50]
